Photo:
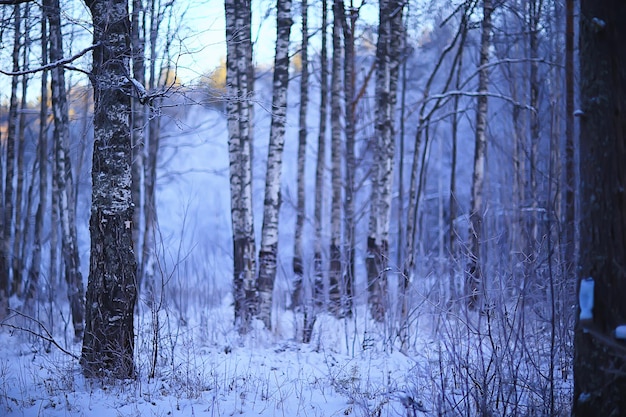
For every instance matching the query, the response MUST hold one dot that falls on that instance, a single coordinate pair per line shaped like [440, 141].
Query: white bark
[474, 267]
[269, 233]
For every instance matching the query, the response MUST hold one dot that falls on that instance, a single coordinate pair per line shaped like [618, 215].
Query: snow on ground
[207, 369]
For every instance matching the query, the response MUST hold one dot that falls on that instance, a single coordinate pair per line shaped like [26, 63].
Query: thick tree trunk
[268, 252]
[474, 278]
[336, 265]
[600, 358]
[298, 267]
[238, 108]
[108, 345]
[63, 177]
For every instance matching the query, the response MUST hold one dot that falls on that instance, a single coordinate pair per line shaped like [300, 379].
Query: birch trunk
[296, 299]
[238, 106]
[148, 258]
[138, 122]
[320, 170]
[34, 271]
[474, 268]
[268, 252]
[348, 24]
[18, 224]
[63, 177]
[336, 266]
[108, 345]
[5, 256]
[387, 64]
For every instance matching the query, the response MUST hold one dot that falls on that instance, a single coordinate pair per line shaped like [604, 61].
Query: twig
[47, 336]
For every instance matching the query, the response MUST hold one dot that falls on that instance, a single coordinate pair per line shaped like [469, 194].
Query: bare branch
[52, 64]
[47, 336]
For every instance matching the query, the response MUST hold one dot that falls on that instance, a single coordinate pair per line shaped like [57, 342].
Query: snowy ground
[206, 369]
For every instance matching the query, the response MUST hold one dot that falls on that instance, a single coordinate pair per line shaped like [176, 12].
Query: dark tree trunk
[600, 358]
[108, 344]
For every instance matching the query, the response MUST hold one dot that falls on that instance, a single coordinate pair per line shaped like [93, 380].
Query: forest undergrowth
[500, 361]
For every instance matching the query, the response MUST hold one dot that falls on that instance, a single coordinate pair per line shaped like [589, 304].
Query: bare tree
[320, 170]
[387, 69]
[7, 217]
[108, 345]
[600, 356]
[268, 252]
[336, 264]
[238, 109]
[63, 174]
[42, 156]
[298, 268]
[474, 271]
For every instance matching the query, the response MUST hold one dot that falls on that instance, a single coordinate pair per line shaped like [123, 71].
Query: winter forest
[312, 208]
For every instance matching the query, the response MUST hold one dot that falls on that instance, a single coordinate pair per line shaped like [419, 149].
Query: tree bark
[138, 123]
[7, 216]
[599, 358]
[108, 345]
[298, 267]
[42, 156]
[63, 177]
[320, 171]
[474, 273]
[238, 109]
[18, 224]
[336, 264]
[268, 252]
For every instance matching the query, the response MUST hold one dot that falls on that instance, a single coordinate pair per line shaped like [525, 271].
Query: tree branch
[52, 64]
[47, 336]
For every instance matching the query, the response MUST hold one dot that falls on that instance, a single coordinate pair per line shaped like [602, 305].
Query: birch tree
[320, 170]
[387, 70]
[298, 269]
[63, 178]
[42, 156]
[7, 216]
[336, 265]
[474, 268]
[268, 252]
[238, 109]
[138, 119]
[108, 345]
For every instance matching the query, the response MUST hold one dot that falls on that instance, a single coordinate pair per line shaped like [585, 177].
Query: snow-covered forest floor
[206, 369]
[203, 367]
